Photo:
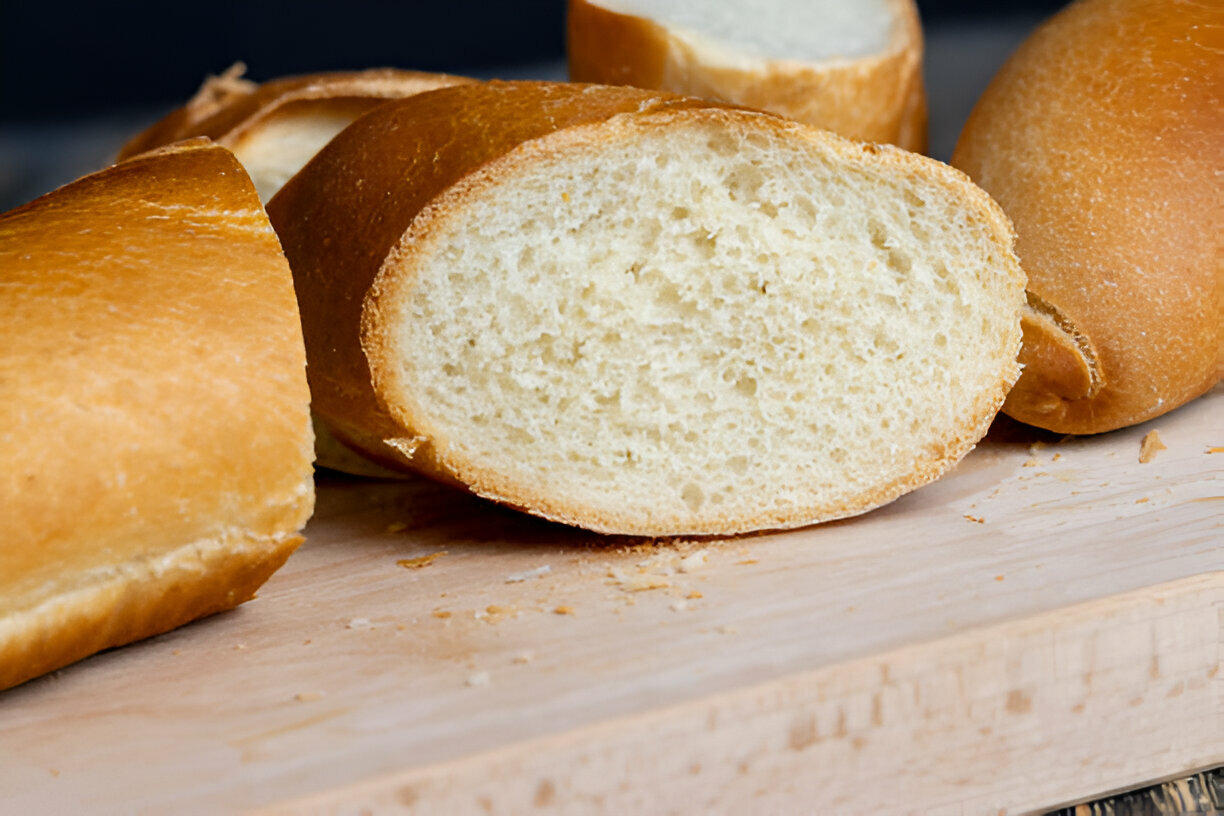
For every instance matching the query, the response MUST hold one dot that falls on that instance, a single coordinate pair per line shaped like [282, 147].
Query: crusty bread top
[859, 74]
[153, 375]
[1103, 139]
[496, 282]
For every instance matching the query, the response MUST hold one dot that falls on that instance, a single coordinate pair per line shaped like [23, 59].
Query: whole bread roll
[647, 314]
[154, 421]
[1103, 139]
[275, 127]
[854, 68]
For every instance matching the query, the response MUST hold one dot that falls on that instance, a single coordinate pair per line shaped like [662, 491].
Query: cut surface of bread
[646, 314]
[155, 425]
[275, 127]
[1103, 140]
[854, 68]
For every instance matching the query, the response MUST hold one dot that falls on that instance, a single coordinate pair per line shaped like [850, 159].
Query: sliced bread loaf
[648, 314]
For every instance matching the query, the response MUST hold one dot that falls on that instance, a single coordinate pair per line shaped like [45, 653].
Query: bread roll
[854, 68]
[275, 128]
[647, 314]
[154, 422]
[1103, 139]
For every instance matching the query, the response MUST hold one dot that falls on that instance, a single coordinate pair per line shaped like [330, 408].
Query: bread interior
[274, 149]
[806, 30]
[694, 324]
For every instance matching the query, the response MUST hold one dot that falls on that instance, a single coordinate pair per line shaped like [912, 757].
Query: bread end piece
[1101, 139]
[878, 97]
[276, 126]
[155, 425]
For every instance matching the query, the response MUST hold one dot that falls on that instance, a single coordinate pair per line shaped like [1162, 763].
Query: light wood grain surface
[1042, 625]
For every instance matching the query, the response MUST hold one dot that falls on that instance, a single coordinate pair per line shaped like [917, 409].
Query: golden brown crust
[1101, 138]
[879, 99]
[463, 140]
[155, 401]
[227, 108]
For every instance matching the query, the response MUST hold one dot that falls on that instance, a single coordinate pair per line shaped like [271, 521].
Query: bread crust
[879, 98]
[1103, 139]
[227, 108]
[464, 140]
[155, 426]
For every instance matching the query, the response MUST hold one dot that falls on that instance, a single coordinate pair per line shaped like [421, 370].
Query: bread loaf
[275, 127]
[854, 68]
[154, 422]
[1103, 139]
[647, 314]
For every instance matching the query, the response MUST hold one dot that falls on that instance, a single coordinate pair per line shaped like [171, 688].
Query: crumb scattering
[693, 561]
[1151, 445]
[441, 613]
[727, 630]
[747, 562]
[359, 623]
[563, 610]
[1144, 500]
[1216, 449]
[522, 658]
[421, 562]
[975, 519]
[527, 575]
[308, 696]
[998, 577]
[694, 595]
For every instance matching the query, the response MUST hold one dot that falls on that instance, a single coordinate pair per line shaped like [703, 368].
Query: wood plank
[1042, 625]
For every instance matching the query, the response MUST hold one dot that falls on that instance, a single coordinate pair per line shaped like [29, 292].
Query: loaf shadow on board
[155, 422]
[647, 314]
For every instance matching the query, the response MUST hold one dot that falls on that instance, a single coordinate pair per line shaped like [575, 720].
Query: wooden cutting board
[1044, 624]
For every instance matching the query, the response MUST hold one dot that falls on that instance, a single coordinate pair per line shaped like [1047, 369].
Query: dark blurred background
[76, 78]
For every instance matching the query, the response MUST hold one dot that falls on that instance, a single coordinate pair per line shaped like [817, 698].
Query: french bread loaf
[154, 422]
[1103, 139]
[854, 68]
[276, 126]
[647, 314]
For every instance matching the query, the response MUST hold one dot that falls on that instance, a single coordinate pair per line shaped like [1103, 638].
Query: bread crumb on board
[308, 696]
[1150, 446]
[975, 519]
[563, 610]
[527, 575]
[1216, 449]
[420, 562]
[359, 623]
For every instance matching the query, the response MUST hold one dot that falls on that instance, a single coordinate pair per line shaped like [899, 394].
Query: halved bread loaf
[647, 314]
[1103, 139]
[275, 127]
[854, 68]
[154, 425]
